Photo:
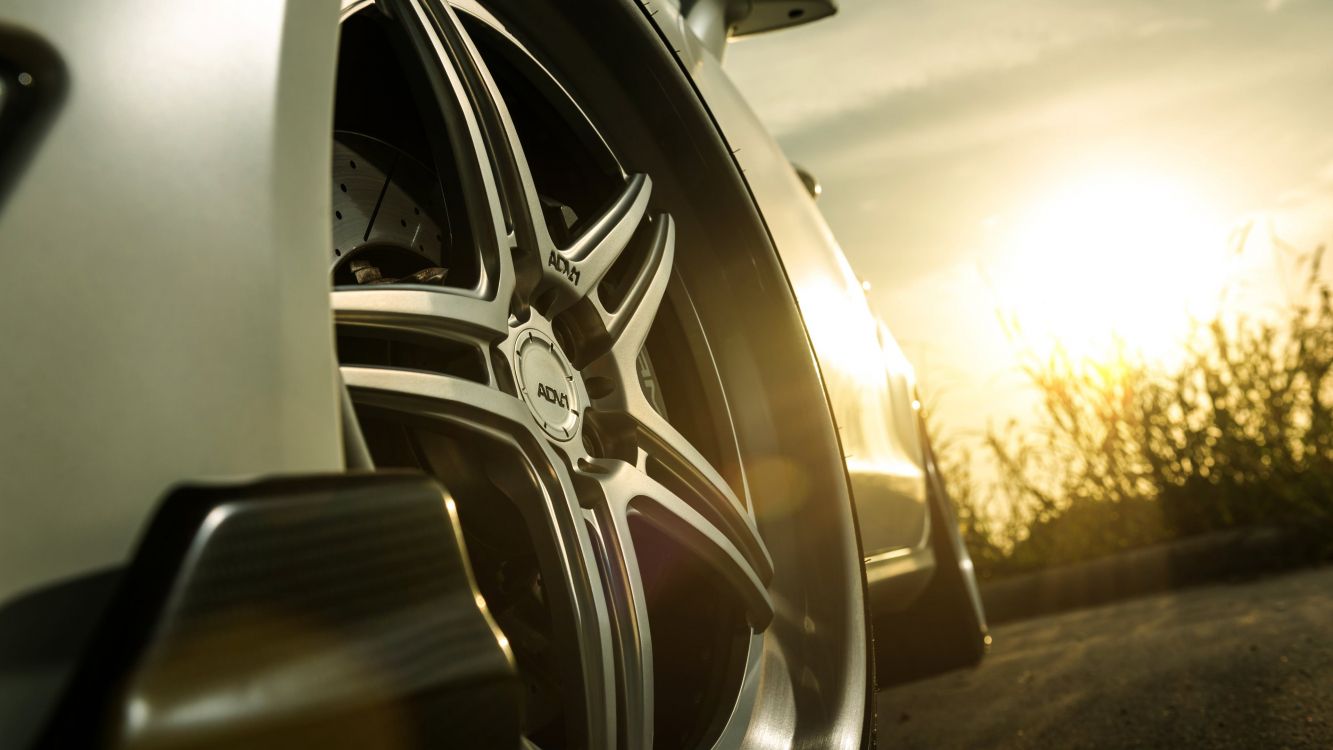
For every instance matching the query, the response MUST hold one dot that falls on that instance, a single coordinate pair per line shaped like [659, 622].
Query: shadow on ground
[1239, 665]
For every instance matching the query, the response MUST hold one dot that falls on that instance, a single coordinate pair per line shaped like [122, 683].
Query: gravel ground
[1243, 665]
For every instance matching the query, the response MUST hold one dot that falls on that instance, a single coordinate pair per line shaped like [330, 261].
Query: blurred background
[1096, 229]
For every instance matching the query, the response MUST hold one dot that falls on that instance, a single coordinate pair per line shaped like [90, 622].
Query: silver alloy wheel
[569, 434]
[612, 490]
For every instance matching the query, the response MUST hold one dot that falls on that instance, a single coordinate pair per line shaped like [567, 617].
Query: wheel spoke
[448, 400]
[628, 414]
[570, 274]
[627, 490]
[628, 609]
[567, 274]
[431, 312]
[629, 323]
[693, 477]
[612, 337]
[625, 409]
[552, 512]
[618, 491]
[605, 239]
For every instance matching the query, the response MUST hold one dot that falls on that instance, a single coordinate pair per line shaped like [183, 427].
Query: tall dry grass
[1124, 453]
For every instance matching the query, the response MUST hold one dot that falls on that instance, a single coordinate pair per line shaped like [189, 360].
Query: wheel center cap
[547, 383]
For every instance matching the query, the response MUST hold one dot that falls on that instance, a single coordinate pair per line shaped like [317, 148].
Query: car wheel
[945, 627]
[584, 333]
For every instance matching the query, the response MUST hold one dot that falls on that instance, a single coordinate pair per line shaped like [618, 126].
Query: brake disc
[390, 221]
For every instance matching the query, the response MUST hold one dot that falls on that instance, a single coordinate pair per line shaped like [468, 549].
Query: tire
[592, 387]
[945, 628]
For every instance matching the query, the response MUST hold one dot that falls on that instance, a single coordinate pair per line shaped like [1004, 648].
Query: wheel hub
[547, 382]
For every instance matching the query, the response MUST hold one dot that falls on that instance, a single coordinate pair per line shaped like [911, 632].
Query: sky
[1084, 167]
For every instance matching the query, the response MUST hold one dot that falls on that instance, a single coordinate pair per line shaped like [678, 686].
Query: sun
[1111, 257]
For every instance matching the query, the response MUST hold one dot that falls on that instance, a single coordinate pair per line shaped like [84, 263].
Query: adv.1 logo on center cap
[552, 395]
[546, 381]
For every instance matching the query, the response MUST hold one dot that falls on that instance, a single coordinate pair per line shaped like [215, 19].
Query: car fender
[165, 285]
[869, 381]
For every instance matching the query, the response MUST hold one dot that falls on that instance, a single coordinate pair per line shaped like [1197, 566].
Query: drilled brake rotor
[390, 220]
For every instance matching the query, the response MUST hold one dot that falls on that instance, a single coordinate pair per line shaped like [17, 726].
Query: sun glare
[1115, 257]
[842, 331]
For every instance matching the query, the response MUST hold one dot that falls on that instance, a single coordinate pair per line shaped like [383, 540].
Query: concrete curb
[1200, 559]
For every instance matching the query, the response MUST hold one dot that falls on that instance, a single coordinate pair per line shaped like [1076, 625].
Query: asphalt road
[1244, 665]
